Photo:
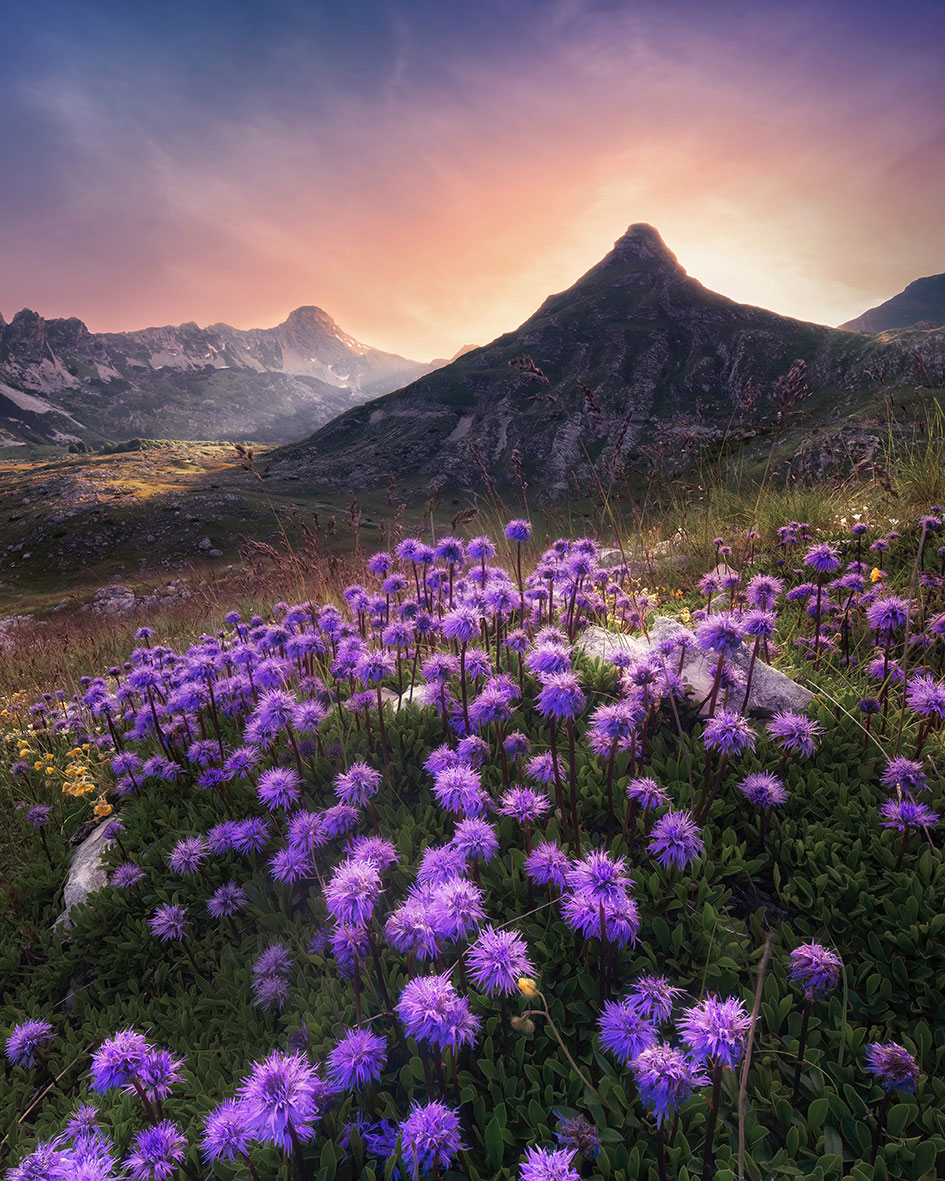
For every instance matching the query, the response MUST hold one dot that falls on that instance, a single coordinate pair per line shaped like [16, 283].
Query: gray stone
[413, 694]
[771, 690]
[647, 561]
[204, 544]
[214, 553]
[86, 874]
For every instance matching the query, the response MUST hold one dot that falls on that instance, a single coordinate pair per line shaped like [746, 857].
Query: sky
[429, 171]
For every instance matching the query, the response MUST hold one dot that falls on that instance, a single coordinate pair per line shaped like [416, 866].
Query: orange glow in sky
[432, 187]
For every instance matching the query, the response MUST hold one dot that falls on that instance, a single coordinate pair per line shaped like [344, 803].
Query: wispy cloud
[429, 175]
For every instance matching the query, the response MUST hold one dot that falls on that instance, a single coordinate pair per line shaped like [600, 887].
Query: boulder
[86, 873]
[647, 562]
[115, 599]
[771, 690]
[413, 694]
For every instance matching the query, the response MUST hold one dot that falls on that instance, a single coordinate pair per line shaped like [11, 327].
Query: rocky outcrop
[117, 599]
[771, 690]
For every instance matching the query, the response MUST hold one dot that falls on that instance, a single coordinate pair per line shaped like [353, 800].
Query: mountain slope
[921, 303]
[635, 347]
[60, 383]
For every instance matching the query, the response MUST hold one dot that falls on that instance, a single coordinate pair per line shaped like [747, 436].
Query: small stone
[86, 874]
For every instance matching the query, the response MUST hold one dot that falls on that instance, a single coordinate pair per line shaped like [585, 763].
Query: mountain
[61, 383]
[635, 353]
[921, 304]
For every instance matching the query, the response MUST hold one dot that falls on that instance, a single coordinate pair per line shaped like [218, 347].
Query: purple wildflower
[903, 814]
[475, 839]
[887, 616]
[548, 1164]
[439, 863]
[728, 733]
[815, 968]
[763, 789]
[156, 1152]
[902, 774]
[599, 875]
[430, 1137]
[794, 733]
[497, 959]
[653, 996]
[280, 1101]
[226, 900]
[279, 787]
[624, 1031]
[518, 530]
[561, 697]
[893, 1065]
[226, 1131]
[647, 793]
[158, 1073]
[676, 840]
[38, 815]
[357, 785]
[926, 697]
[126, 874]
[169, 922]
[431, 1010]
[615, 918]
[253, 835]
[25, 1039]
[524, 804]
[276, 960]
[353, 891]
[824, 558]
[459, 790]
[719, 634]
[188, 855]
[457, 908]
[548, 864]
[715, 1029]
[665, 1079]
[118, 1060]
[357, 1059]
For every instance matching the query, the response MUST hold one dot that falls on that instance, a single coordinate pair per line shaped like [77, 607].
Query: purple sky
[429, 172]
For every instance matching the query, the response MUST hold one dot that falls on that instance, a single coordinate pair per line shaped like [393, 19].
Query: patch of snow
[26, 401]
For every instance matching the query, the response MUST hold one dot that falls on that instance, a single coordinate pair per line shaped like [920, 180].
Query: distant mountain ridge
[634, 351]
[921, 304]
[61, 383]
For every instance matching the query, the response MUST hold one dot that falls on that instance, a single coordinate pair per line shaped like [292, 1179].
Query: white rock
[414, 694]
[771, 690]
[86, 874]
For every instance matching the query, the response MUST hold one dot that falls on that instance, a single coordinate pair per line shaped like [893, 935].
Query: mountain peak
[922, 302]
[642, 243]
[310, 314]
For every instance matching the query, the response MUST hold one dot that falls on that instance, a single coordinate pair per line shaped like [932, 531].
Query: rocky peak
[309, 316]
[642, 244]
[25, 335]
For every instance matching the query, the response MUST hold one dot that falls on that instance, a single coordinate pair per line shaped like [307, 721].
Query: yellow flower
[528, 987]
[877, 575]
[103, 809]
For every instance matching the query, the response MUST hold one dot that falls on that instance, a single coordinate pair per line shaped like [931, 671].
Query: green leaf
[923, 1159]
[494, 1145]
[899, 1116]
[817, 1113]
